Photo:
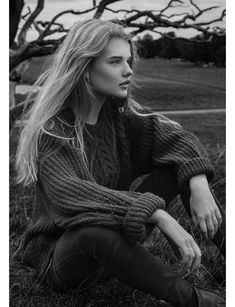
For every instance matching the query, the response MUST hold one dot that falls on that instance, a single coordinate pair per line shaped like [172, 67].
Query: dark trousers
[86, 255]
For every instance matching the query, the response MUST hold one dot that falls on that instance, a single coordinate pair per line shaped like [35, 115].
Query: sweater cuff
[134, 222]
[193, 168]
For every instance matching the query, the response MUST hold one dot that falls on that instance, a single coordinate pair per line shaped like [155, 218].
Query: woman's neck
[95, 110]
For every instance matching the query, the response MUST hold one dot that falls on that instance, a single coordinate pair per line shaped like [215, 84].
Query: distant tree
[217, 50]
[201, 50]
[146, 46]
[220, 56]
[157, 46]
[169, 47]
[148, 37]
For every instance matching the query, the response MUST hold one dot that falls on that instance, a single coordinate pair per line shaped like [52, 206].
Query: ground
[165, 85]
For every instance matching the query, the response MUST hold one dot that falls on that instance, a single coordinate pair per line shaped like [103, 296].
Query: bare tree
[138, 21]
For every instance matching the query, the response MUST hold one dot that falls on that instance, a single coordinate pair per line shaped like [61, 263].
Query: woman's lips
[124, 85]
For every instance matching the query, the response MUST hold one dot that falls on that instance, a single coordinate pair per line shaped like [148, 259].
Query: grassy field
[167, 85]
[205, 86]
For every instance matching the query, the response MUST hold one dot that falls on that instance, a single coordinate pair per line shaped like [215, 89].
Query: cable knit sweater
[119, 147]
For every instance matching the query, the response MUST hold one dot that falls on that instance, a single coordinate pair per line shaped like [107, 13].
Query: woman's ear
[86, 76]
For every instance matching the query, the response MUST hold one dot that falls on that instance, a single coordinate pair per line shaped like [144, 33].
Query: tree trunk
[15, 9]
[12, 89]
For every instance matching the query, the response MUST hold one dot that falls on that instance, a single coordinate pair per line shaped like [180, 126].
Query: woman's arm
[77, 201]
[156, 142]
[182, 243]
[204, 210]
[193, 167]
[170, 145]
[180, 148]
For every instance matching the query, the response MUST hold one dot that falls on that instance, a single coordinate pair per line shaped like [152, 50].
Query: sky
[53, 7]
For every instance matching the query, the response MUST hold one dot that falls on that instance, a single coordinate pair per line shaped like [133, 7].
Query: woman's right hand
[183, 244]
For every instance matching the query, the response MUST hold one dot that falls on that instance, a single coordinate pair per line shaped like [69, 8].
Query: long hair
[67, 75]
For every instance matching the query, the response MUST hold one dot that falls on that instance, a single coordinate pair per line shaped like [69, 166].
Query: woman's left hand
[204, 211]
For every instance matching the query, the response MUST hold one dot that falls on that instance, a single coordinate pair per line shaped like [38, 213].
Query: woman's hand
[204, 211]
[182, 243]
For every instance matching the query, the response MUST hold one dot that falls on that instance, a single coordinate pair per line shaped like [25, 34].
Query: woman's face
[111, 69]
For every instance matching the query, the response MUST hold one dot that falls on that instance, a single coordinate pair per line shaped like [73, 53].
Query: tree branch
[49, 24]
[37, 28]
[59, 28]
[27, 14]
[223, 14]
[194, 17]
[139, 20]
[29, 22]
[34, 49]
[181, 38]
[195, 5]
[151, 26]
[174, 15]
[122, 11]
[153, 21]
[170, 4]
[101, 7]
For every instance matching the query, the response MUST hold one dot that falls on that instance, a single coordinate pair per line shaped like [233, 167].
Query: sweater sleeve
[167, 144]
[77, 201]
[181, 148]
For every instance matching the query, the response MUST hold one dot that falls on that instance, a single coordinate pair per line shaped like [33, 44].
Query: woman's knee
[94, 233]
[93, 239]
[162, 182]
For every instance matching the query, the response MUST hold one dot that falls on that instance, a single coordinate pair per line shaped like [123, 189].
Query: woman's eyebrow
[118, 57]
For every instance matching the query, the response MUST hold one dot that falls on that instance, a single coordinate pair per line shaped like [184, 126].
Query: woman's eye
[118, 62]
[115, 62]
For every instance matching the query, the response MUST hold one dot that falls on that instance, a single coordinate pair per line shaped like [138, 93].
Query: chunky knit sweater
[119, 148]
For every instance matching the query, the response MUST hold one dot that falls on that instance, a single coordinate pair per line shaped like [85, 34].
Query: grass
[175, 85]
[210, 128]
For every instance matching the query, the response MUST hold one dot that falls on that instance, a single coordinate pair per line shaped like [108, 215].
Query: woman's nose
[127, 71]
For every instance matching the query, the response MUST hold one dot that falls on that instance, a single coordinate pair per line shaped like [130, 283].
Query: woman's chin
[122, 94]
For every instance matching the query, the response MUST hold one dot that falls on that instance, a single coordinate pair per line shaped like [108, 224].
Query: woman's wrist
[198, 182]
[157, 216]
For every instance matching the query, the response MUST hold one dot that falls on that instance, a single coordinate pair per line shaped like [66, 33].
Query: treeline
[202, 52]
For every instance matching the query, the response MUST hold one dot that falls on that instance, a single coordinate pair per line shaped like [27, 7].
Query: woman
[84, 143]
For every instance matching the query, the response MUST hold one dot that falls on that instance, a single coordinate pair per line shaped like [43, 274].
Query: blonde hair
[67, 72]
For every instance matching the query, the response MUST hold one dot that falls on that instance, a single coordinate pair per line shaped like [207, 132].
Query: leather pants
[87, 255]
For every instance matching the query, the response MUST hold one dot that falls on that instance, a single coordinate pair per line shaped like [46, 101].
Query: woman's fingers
[215, 222]
[197, 259]
[191, 258]
[185, 254]
[218, 216]
[195, 220]
[210, 224]
[191, 254]
[175, 248]
[181, 241]
[210, 227]
[203, 227]
[195, 256]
